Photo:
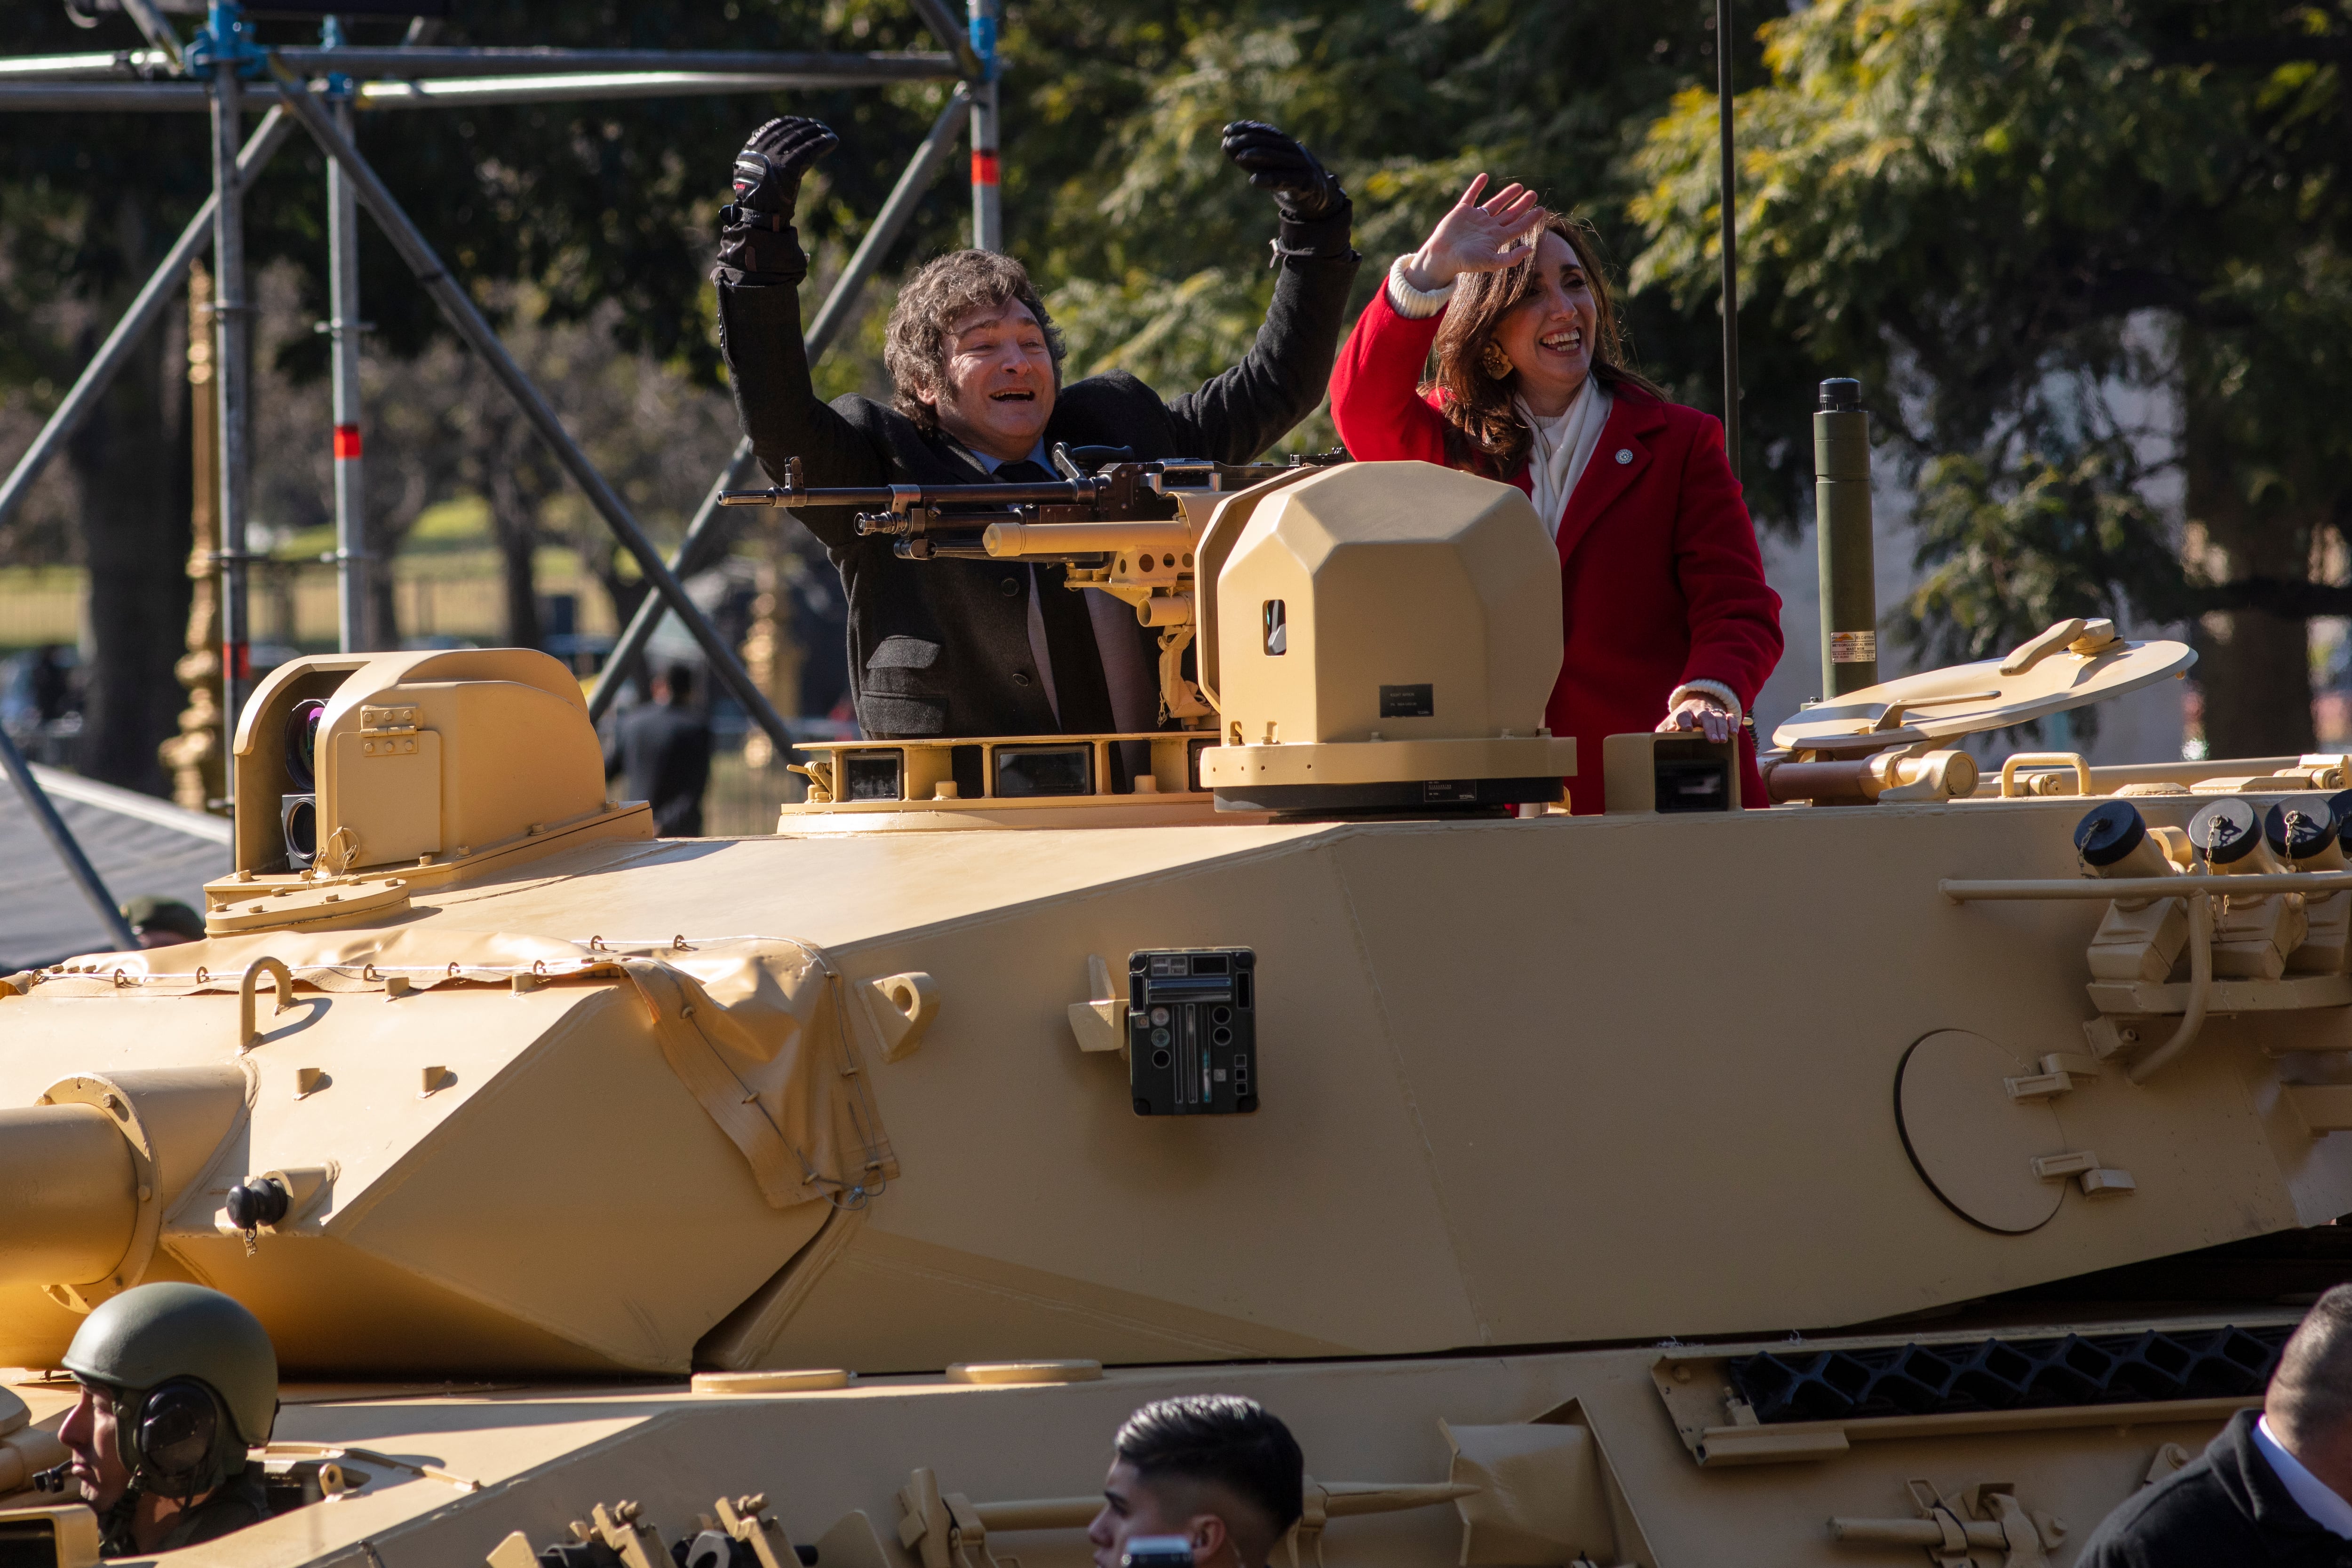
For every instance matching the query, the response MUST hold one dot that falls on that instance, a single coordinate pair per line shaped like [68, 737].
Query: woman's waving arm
[1376, 398]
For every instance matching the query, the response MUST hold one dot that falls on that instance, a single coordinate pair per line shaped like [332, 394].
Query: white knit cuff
[1709, 689]
[1414, 304]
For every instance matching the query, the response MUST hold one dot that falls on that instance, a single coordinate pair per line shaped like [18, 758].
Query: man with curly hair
[973, 647]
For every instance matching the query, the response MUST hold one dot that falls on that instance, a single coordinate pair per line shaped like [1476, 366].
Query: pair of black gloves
[758, 235]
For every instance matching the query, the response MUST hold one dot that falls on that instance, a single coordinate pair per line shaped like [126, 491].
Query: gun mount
[1128, 528]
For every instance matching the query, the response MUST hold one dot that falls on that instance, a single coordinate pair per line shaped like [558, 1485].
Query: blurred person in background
[662, 748]
[162, 922]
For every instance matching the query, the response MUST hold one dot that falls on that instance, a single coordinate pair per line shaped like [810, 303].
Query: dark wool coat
[941, 647]
[2227, 1508]
[1660, 580]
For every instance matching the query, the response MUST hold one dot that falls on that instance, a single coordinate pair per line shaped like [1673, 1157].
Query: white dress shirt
[2326, 1506]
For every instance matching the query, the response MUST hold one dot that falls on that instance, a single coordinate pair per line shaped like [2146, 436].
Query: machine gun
[1125, 525]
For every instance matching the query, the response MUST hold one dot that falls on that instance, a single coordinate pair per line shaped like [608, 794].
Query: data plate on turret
[1193, 1032]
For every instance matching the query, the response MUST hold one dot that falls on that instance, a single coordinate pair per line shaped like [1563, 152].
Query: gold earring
[1493, 361]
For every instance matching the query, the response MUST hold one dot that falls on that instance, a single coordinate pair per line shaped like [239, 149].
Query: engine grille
[2008, 1373]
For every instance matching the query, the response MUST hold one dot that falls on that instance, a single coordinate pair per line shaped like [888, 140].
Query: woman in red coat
[1662, 588]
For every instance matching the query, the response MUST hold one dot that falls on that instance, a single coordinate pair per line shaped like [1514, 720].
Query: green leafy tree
[1153, 250]
[1998, 214]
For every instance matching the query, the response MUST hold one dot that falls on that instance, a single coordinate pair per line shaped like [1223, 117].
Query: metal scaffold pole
[211, 70]
[85, 875]
[705, 538]
[147, 309]
[459, 310]
[354, 600]
[987, 194]
[1730, 234]
[232, 362]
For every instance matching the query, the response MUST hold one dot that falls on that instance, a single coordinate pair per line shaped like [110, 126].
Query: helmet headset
[191, 1376]
[175, 1438]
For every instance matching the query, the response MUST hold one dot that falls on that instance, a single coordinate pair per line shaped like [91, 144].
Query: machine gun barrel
[1085, 492]
[1017, 540]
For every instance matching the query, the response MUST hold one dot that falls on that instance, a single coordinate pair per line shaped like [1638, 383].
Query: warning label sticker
[1853, 647]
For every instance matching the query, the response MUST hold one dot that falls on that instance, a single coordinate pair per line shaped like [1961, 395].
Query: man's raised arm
[1240, 412]
[760, 271]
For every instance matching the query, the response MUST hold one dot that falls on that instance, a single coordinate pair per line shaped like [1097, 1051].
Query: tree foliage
[1999, 213]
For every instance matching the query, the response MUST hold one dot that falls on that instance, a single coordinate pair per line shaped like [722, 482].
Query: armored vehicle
[1674, 1185]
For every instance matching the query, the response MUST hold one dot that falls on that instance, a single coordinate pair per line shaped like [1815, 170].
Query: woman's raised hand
[1475, 237]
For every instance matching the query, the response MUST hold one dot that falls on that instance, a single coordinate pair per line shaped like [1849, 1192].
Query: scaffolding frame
[319, 89]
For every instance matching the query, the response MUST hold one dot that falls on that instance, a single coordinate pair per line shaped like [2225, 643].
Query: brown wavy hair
[915, 341]
[1484, 432]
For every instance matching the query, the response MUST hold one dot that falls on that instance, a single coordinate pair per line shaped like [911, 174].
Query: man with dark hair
[2274, 1488]
[664, 749]
[1217, 1469]
[972, 647]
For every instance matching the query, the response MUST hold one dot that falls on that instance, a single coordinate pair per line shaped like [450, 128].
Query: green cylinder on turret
[1848, 568]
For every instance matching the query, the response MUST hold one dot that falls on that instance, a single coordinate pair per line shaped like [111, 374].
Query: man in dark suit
[2274, 1488]
[973, 648]
[663, 749]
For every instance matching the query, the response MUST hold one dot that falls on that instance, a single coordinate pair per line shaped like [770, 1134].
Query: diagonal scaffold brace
[145, 310]
[425, 264]
[85, 875]
[706, 537]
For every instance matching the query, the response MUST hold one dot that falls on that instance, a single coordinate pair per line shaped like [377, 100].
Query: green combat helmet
[183, 1363]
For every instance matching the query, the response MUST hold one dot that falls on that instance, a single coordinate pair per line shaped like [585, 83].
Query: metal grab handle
[249, 1036]
[2044, 759]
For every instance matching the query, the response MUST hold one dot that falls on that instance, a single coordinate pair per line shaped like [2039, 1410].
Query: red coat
[1661, 581]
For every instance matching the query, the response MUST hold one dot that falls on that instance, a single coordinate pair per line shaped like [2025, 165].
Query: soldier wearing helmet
[177, 1382]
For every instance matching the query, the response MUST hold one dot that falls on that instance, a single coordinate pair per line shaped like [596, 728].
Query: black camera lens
[1160, 1015]
[298, 820]
[1221, 1015]
[1159, 1037]
[1221, 1037]
[1160, 1059]
[302, 744]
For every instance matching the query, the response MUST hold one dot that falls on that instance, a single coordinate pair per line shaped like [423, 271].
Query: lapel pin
[1624, 454]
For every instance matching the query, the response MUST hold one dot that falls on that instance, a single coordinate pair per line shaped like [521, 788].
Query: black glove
[757, 244]
[1303, 189]
[1315, 212]
[768, 170]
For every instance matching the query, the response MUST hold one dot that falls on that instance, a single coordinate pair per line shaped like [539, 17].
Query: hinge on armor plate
[2168, 1459]
[618, 1535]
[1985, 1516]
[947, 1529]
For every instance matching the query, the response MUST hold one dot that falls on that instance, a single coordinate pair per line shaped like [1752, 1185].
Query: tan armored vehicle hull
[1542, 1137]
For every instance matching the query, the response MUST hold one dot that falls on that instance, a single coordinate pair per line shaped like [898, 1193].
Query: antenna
[1730, 238]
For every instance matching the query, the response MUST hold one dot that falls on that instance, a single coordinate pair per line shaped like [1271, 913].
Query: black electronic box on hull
[1191, 1019]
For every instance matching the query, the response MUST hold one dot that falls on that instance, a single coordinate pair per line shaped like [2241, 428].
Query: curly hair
[915, 343]
[1484, 431]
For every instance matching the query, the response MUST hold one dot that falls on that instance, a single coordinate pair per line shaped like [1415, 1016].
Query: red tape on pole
[347, 441]
[983, 168]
